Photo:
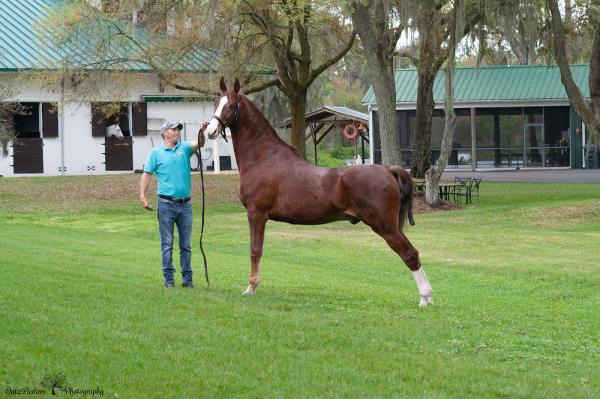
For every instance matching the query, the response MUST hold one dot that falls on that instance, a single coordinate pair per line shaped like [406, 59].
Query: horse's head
[114, 130]
[227, 110]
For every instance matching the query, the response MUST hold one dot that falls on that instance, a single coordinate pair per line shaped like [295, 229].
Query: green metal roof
[24, 47]
[17, 37]
[492, 84]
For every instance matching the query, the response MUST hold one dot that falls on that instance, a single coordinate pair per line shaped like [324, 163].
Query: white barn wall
[81, 149]
[5, 162]
[51, 160]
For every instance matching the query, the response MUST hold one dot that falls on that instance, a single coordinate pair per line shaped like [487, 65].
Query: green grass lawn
[516, 280]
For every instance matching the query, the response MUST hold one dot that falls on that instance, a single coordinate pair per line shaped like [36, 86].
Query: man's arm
[144, 183]
[196, 144]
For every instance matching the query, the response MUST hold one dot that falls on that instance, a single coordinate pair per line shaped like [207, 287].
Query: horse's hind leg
[257, 223]
[400, 244]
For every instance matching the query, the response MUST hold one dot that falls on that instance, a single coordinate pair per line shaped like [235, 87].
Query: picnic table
[446, 188]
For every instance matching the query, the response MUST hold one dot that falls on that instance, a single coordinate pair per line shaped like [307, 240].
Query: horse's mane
[260, 119]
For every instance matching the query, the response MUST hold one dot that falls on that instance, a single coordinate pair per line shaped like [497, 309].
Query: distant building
[507, 117]
[69, 138]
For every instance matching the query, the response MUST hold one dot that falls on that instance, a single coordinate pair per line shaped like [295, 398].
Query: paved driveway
[531, 175]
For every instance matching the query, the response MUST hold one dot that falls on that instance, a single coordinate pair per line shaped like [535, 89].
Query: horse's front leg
[257, 221]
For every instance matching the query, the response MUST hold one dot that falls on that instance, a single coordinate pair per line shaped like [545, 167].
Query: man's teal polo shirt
[172, 168]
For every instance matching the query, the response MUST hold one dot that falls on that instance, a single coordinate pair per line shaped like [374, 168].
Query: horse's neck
[254, 138]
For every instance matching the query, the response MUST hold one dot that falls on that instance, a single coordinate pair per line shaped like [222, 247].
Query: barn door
[27, 148]
[28, 156]
[119, 154]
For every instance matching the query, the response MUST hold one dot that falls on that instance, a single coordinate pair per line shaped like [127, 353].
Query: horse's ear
[236, 85]
[222, 85]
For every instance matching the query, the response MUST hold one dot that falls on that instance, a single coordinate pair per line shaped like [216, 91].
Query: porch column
[371, 143]
[473, 140]
[216, 159]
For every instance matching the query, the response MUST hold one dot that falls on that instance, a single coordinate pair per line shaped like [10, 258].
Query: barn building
[507, 117]
[62, 136]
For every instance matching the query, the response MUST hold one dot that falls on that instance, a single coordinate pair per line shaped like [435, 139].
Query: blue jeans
[170, 213]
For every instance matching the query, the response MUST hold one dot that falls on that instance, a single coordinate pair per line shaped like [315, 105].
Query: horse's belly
[307, 219]
[297, 198]
[315, 211]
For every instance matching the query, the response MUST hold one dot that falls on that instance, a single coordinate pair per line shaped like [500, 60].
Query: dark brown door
[139, 114]
[118, 153]
[50, 120]
[28, 156]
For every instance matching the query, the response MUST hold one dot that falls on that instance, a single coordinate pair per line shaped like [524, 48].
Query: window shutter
[139, 112]
[50, 120]
[98, 122]
[123, 118]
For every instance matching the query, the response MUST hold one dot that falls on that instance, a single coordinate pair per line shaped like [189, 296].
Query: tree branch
[333, 60]
[394, 37]
[405, 54]
[178, 86]
[264, 85]
[571, 88]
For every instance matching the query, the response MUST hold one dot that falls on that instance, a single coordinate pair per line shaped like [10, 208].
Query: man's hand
[201, 138]
[145, 203]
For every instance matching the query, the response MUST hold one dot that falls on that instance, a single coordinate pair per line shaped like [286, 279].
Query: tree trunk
[595, 77]
[433, 174]
[390, 138]
[577, 100]
[375, 35]
[298, 111]
[426, 70]
[432, 54]
[421, 156]
[569, 25]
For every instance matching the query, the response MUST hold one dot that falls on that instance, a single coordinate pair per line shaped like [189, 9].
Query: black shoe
[187, 285]
[169, 285]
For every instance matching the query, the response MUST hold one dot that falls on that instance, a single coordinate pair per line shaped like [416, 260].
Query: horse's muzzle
[214, 134]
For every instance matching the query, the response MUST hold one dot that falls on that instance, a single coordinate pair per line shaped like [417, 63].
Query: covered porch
[354, 126]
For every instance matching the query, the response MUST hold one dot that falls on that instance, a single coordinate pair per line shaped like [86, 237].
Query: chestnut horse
[277, 184]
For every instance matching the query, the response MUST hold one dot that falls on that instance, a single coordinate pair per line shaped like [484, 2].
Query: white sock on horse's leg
[424, 287]
[250, 290]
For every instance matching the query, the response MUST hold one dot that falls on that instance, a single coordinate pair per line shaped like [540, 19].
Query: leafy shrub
[325, 159]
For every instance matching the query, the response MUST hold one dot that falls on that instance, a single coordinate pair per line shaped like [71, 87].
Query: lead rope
[202, 225]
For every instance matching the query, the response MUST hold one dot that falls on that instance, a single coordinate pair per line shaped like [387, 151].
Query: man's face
[171, 136]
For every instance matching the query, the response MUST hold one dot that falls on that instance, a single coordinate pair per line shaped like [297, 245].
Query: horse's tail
[406, 191]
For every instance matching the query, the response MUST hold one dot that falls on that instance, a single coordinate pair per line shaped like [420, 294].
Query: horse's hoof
[425, 300]
[249, 291]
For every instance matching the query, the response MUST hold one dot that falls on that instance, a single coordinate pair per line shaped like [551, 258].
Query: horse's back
[373, 178]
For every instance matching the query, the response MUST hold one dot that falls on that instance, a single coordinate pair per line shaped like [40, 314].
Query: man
[171, 164]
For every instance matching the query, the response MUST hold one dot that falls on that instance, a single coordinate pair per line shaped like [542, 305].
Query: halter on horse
[276, 183]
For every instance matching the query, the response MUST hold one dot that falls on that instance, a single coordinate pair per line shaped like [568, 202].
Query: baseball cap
[171, 125]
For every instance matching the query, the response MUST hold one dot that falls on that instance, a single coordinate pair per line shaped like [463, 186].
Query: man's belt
[175, 200]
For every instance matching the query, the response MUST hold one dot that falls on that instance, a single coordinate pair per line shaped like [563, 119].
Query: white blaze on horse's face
[214, 127]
